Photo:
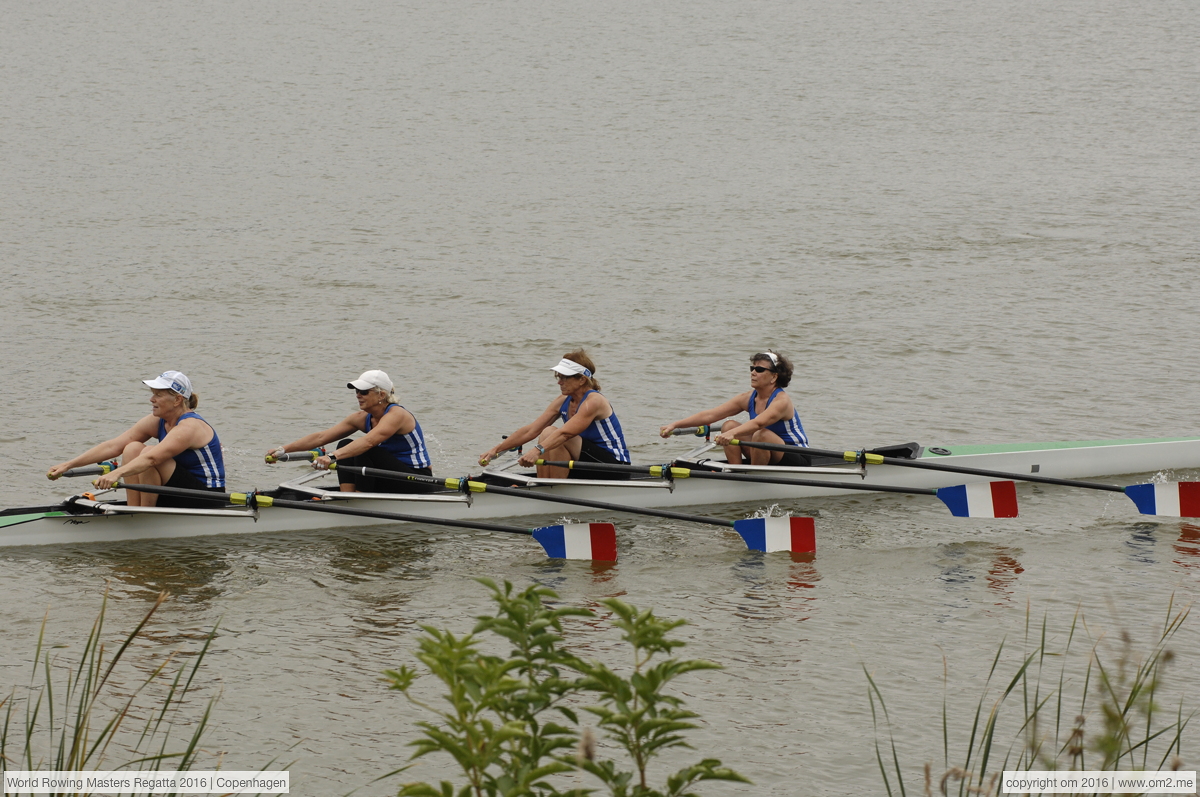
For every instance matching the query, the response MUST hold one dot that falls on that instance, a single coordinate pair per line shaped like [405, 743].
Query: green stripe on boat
[1003, 448]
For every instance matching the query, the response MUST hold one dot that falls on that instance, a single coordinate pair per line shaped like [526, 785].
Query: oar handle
[704, 430]
[295, 456]
[93, 470]
[868, 458]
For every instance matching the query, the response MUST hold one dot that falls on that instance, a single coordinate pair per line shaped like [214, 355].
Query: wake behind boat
[104, 518]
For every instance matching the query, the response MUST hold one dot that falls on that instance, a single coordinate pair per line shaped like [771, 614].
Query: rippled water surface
[965, 223]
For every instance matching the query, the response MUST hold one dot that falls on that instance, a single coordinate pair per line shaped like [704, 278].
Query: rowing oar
[92, 470]
[595, 541]
[1171, 499]
[799, 534]
[989, 499]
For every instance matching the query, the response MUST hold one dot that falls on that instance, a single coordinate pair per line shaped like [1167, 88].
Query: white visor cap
[371, 379]
[571, 368]
[171, 380]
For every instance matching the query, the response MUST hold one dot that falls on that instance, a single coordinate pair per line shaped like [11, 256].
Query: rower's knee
[131, 452]
[729, 426]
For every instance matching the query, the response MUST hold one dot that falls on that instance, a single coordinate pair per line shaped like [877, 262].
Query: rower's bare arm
[523, 435]
[318, 439]
[734, 406]
[140, 432]
[188, 433]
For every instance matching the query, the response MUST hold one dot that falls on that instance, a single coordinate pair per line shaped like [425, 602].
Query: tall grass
[79, 715]
[1116, 700]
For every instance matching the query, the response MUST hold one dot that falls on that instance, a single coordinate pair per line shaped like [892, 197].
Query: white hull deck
[1072, 460]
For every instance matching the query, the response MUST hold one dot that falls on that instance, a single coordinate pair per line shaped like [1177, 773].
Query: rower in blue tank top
[773, 417]
[790, 431]
[409, 448]
[392, 440]
[590, 431]
[205, 463]
[187, 456]
[604, 433]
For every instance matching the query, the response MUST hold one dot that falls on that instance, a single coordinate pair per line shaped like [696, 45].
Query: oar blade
[594, 541]
[769, 534]
[982, 499]
[1171, 499]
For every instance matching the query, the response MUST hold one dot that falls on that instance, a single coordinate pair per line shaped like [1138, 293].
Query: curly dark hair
[780, 364]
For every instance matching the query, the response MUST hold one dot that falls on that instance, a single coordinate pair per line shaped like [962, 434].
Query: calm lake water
[965, 223]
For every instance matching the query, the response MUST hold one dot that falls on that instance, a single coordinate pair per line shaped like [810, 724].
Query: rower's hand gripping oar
[594, 541]
[988, 500]
[89, 470]
[1170, 499]
[796, 534]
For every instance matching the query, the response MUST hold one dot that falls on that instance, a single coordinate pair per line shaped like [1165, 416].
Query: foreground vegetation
[1050, 727]
[88, 714]
[512, 723]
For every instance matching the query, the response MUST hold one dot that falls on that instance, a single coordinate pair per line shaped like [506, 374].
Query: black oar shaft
[480, 487]
[738, 477]
[877, 459]
[316, 506]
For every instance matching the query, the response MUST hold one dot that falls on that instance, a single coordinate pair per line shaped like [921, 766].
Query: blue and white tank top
[205, 463]
[605, 433]
[408, 448]
[790, 431]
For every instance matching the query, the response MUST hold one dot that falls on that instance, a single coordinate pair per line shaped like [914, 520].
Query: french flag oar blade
[982, 499]
[768, 534]
[594, 541]
[1172, 499]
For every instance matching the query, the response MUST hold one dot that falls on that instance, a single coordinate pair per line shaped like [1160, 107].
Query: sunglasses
[366, 392]
[758, 369]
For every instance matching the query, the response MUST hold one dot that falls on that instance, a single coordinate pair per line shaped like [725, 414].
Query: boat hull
[1068, 460]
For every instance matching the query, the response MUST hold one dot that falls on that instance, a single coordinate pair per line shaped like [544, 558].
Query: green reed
[1134, 732]
[75, 716]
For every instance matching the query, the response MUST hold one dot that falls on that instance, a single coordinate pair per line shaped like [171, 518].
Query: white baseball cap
[570, 368]
[171, 380]
[371, 379]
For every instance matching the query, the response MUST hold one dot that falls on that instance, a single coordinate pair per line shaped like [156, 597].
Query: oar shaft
[877, 459]
[686, 473]
[314, 506]
[480, 487]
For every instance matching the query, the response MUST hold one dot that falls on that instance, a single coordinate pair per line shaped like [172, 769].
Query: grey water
[966, 223]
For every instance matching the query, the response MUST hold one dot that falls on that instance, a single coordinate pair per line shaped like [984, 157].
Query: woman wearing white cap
[590, 431]
[773, 417]
[392, 440]
[188, 453]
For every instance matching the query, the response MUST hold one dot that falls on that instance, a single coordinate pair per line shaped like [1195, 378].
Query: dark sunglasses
[758, 369]
[366, 392]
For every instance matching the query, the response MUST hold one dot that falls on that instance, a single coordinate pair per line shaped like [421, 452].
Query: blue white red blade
[786, 533]
[594, 541]
[982, 499]
[1173, 499]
